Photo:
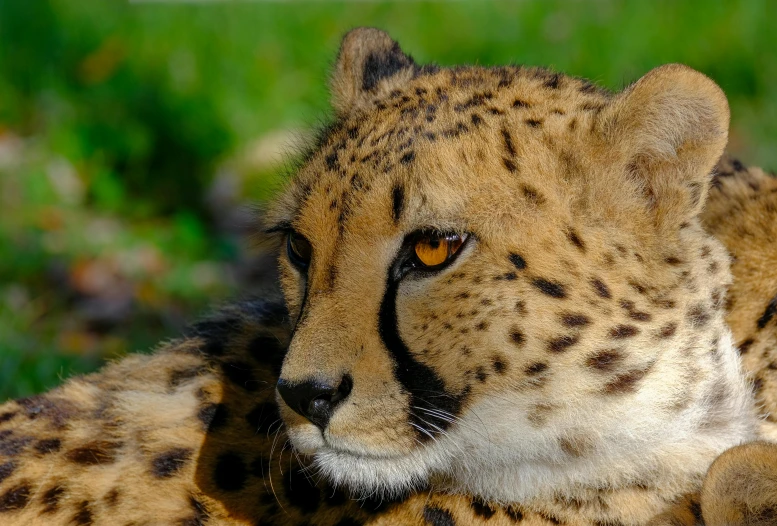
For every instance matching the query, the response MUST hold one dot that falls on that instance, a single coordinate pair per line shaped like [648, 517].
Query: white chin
[371, 476]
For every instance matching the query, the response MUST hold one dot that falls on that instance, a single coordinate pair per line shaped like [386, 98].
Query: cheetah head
[499, 282]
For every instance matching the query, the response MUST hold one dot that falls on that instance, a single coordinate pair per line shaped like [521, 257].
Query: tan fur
[618, 293]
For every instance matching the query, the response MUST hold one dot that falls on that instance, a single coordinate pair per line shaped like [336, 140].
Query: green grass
[118, 115]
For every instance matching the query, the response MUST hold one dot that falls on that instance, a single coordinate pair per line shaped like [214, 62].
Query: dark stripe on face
[428, 396]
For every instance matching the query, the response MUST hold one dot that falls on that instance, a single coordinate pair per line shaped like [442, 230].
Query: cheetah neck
[641, 461]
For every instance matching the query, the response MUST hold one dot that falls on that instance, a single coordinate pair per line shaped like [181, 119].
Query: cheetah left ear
[671, 127]
[369, 65]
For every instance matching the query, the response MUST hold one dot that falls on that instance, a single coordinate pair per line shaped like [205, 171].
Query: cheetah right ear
[670, 128]
[369, 65]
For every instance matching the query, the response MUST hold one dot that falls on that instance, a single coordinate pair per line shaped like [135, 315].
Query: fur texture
[572, 365]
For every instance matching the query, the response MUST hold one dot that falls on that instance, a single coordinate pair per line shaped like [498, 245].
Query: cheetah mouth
[365, 474]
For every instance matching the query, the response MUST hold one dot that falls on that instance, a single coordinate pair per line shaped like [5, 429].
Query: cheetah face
[497, 274]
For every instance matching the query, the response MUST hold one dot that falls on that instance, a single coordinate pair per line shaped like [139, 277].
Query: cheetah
[501, 307]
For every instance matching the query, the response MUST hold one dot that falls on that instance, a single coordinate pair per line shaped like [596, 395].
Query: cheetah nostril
[315, 400]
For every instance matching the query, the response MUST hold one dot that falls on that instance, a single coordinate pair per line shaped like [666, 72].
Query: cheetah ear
[369, 65]
[671, 127]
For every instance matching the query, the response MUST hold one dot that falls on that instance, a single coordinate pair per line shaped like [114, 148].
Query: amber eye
[299, 250]
[434, 249]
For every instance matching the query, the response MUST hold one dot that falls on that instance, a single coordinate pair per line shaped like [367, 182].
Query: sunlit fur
[582, 326]
[190, 435]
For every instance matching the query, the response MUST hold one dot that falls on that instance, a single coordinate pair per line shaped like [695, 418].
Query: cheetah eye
[433, 249]
[299, 250]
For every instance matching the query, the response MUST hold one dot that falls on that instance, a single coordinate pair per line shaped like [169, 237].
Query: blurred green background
[133, 134]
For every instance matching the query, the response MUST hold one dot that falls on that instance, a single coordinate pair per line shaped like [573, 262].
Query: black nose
[315, 400]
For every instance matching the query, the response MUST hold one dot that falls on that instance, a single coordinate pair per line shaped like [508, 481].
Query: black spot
[508, 140]
[533, 123]
[498, 365]
[604, 360]
[553, 289]
[331, 160]
[15, 498]
[230, 473]
[671, 260]
[553, 81]
[48, 445]
[240, 373]
[301, 491]
[263, 417]
[112, 497]
[51, 498]
[213, 416]
[398, 203]
[167, 464]
[517, 260]
[514, 513]
[509, 164]
[668, 330]
[347, 521]
[10, 447]
[575, 320]
[5, 417]
[382, 65]
[625, 383]
[481, 508]
[623, 331]
[698, 316]
[574, 238]
[562, 343]
[601, 289]
[93, 453]
[535, 368]
[476, 119]
[518, 103]
[40, 406]
[517, 337]
[215, 333]
[6, 469]
[481, 374]
[532, 195]
[771, 310]
[179, 376]
[438, 517]
[83, 517]
[407, 158]
[639, 315]
[695, 508]
[745, 345]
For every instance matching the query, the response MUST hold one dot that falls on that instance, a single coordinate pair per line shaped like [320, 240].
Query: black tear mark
[431, 405]
[397, 203]
[379, 66]
[771, 310]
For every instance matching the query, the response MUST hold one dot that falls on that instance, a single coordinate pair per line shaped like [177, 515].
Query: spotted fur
[572, 366]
